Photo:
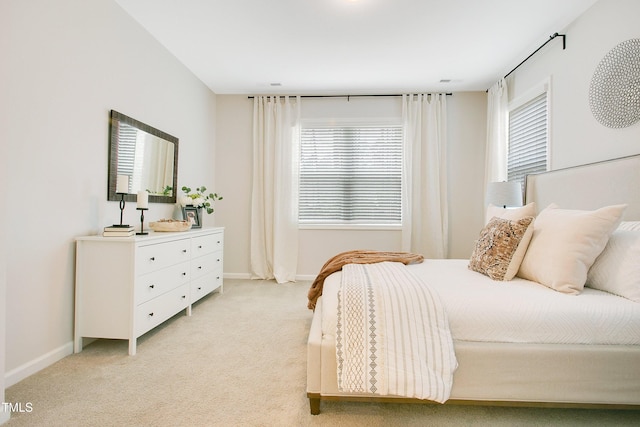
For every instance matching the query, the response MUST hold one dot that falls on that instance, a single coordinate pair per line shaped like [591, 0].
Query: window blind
[127, 151]
[528, 139]
[351, 175]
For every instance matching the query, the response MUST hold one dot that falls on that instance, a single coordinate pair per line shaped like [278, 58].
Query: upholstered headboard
[590, 186]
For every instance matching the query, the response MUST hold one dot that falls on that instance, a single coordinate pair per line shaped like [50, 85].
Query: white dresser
[126, 286]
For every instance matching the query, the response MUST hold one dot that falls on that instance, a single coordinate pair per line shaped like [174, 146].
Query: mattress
[517, 311]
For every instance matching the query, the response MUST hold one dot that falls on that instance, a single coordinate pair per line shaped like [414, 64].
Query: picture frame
[192, 214]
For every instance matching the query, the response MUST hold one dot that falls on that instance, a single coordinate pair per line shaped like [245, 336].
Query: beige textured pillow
[564, 245]
[501, 246]
[510, 213]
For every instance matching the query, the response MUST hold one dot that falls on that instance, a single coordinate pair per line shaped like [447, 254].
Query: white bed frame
[527, 374]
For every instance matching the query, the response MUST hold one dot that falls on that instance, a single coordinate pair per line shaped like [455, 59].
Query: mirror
[141, 158]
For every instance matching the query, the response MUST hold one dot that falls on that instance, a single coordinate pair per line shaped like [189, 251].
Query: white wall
[467, 134]
[233, 176]
[576, 136]
[65, 64]
[466, 127]
[4, 416]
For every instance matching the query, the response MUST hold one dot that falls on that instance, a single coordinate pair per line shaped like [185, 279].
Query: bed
[559, 347]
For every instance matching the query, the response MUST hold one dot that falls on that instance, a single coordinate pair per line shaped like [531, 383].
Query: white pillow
[629, 225]
[617, 269]
[512, 214]
[564, 245]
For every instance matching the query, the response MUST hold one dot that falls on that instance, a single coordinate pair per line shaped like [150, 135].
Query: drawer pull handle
[218, 260]
[218, 278]
[152, 286]
[200, 288]
[184, 296]
[151, 314]
[199, 267]
[199, 246]
[184, 251]
[184, 273]
[152, 258]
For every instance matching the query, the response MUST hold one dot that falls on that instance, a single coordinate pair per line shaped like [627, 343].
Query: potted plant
[194, 202]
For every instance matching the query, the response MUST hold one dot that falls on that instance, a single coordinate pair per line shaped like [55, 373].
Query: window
[351, 174]
[126, 162]
[528, 138]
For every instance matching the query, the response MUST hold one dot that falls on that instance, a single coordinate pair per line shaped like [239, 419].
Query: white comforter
[392, 334]
[483, 310]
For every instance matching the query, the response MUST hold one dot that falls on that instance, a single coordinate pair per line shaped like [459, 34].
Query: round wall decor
[614, 94]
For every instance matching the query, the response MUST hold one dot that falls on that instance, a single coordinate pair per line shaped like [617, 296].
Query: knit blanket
[355, 257]
[392, 335]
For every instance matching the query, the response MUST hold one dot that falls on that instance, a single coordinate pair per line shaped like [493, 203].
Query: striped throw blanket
[392, 334]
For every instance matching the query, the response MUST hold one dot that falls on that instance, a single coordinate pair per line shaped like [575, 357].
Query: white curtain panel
[497, 134]
[274, 198]
[425, 210]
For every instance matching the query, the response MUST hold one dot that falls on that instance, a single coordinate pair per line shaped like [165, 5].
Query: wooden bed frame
[481, 365]
[316, 398]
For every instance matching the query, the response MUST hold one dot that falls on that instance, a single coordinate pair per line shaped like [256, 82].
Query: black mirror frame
[113, 158]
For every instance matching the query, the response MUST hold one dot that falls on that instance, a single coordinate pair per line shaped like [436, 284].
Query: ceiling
[329, 47]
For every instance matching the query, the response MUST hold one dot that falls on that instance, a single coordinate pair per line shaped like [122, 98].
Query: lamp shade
[505, 193]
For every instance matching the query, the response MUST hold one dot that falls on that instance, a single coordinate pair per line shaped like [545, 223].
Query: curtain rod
[553, 36]
[335, 96]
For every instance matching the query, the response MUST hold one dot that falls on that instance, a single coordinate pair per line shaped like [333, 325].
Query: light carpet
[239, 360]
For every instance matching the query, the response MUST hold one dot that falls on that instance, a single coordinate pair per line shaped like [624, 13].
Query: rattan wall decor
[614, 94]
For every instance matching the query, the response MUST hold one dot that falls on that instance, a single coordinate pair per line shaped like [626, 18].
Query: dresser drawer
[160, 255]
[203, 286]
[153, 284]
[206, 264]
[153, 312]
[218, 280]
[203, 245]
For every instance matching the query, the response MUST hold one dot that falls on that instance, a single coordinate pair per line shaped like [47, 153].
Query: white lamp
[505, 193]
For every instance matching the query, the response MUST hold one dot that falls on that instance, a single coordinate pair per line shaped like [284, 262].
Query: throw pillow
[501, 247]
[629, 225]
[564, 245]
[617, 269]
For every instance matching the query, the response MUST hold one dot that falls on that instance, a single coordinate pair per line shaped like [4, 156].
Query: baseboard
[244, 276]
[247, 276]
[21, 372]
